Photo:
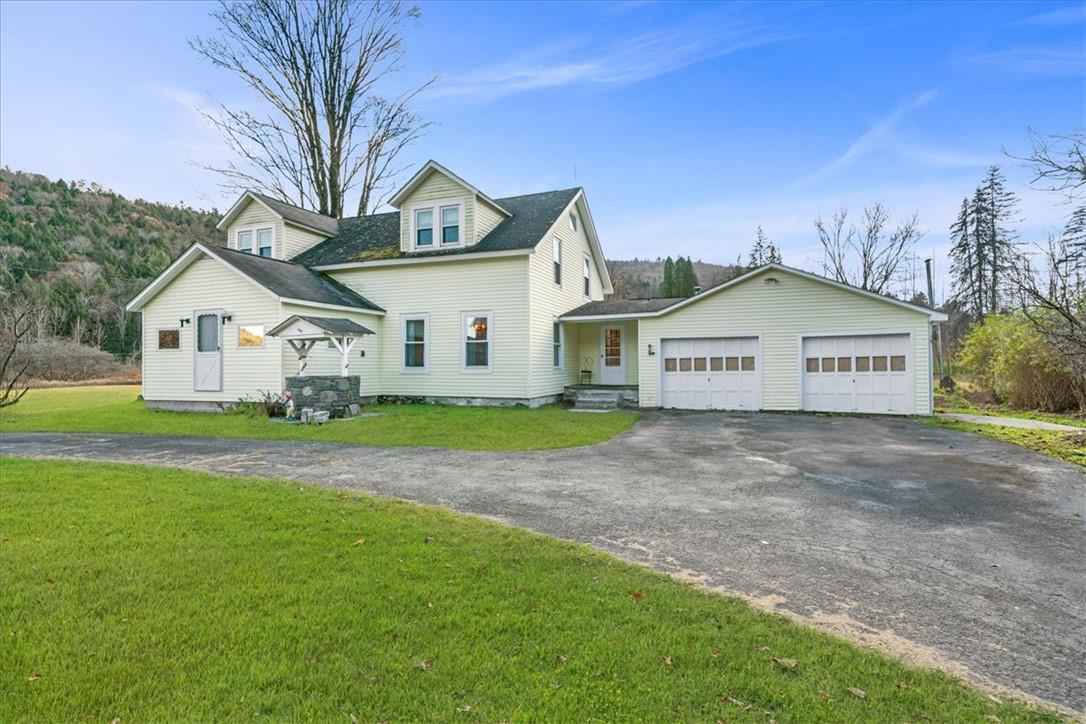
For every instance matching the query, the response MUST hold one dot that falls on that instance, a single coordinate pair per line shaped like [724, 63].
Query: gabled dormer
[441, 211]
[259, 224]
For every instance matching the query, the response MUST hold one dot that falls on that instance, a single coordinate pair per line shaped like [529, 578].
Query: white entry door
[870, 373]
[612, 357]
[711, 374]
[208, 364]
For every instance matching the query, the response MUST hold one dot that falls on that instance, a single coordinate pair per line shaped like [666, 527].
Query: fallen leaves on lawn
[360, 541]
[463, 709]
[425, 664]
[715, 654]
[789, 664]
[34, 677]
[637, 595]
[666, 660]
[825, 695]
[560, 659]
[903, 685]
[858, 693]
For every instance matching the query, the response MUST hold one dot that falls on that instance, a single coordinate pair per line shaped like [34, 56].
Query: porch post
[344, 345]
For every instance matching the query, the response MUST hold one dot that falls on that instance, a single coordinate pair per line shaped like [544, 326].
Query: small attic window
[574, 222]
[424, 227]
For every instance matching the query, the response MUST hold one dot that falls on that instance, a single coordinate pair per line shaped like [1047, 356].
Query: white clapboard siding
[437, 187]
[210, 285]
[781, 313]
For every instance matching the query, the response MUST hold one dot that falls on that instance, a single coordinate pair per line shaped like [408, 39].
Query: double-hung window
[264, 242]
[255, 241]
[415, 337]
[556, 343]
[424, 228]
[476, 340]
[450, 225]
[587, 278]
[557, 261]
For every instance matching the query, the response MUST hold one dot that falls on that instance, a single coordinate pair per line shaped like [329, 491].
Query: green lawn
[144, 594]
[1069, 446]
[116, 409]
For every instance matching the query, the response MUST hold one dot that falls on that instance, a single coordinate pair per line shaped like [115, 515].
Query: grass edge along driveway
[116, 409]
[148, 594]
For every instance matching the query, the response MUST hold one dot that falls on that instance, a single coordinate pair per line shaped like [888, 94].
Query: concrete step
[596, 405]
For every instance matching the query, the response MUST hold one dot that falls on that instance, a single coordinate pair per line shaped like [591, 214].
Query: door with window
[208, 364]
[721, 373]
[869, 373]
[612, 356]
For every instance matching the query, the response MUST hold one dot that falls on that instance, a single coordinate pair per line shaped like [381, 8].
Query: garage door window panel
[812, 364]
[747, 364]
[700, 364]
[731, 364]
[685, 364]
[671, 364]
[716, 364]
[897, 363]
[828, 364]
[863, 364]
[844, 364]
[879, 364]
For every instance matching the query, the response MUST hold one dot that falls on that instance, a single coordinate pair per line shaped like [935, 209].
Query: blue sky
[688, 124]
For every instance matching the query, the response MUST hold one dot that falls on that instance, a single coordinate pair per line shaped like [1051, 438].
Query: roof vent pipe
[697, 290]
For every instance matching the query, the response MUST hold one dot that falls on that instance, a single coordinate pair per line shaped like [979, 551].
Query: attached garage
[865, 373]
[722, 373]
[775, 338]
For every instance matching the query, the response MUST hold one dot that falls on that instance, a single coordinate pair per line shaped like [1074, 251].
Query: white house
[470, 299]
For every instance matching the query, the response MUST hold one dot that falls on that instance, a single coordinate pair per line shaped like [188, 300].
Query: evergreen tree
[667, 288]
[983, 246]
[764, 251]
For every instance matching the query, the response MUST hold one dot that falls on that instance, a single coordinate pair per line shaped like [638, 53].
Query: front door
[208, 364]
[612, 357]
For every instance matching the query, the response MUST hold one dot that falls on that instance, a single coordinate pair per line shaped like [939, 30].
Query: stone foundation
[339, 396]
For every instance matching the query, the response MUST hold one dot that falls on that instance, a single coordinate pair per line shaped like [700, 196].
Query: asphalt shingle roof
[310, 219]
[295, 281]
[332, 325]
[368, 238]
[623, 306]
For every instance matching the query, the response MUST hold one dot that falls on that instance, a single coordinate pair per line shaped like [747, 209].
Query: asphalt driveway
[938, 546]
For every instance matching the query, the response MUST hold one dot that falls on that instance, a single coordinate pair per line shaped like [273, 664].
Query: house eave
[421, 259]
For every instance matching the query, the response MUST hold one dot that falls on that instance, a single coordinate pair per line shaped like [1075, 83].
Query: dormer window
[424, 228]
[255, 241]
[450, 225]
[438, 223]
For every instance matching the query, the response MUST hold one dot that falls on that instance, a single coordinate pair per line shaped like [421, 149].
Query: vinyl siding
[549, 300]
[590, 345]
[486, 218]
[443, 290]
[255, 215]
[296, 240]
[324, 360]
[208, 285]
[782, 313]
[437, 187]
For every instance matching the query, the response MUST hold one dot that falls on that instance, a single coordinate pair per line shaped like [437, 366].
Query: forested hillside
[643, 278]
[75, 253]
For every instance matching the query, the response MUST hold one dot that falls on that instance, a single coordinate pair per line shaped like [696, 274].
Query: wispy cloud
[1047, 61]
[1071, 15]
[615, 61]
[868, 141]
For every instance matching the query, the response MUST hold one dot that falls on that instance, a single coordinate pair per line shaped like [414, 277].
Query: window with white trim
[424, 228]
[437, 223]
[250, 335]
[169, 338]
[415, 336]
[450, 225]
[587, 278]
[557, 261]
[477, 337]
[556, 342]
[264, 242]
[255, 241]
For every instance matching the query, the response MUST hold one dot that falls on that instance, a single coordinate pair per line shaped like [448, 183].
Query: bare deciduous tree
[15, 323]
[868, 256]
[318, 66]
[1058, 162]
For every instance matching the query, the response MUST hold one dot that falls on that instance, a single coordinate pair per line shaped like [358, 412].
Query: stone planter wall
[339, 396]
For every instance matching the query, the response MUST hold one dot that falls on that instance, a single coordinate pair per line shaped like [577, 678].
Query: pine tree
[773, 254]
[964, 269]
[667, 288]
[764, 251]
[685, 278]
[997, 210]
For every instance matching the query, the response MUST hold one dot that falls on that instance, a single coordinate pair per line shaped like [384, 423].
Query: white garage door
[859, 374]
[712, 374]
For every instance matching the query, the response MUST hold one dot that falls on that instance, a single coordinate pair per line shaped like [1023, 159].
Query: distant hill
[641, 278]
[76, 253]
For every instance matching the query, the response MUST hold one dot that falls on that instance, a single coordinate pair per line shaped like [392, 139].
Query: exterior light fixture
[771, 280]
[184, 321]
[652, 352]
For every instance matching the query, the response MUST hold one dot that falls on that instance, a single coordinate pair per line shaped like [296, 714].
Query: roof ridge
[269, 197]
[258, 256]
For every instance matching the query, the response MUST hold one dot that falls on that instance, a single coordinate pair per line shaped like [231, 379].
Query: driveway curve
[940, 547]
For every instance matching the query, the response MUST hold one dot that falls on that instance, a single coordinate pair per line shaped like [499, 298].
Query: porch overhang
[303, 332]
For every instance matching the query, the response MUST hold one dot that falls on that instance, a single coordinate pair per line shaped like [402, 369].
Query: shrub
[63, 360]
[262, 404]
[1008, 356]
